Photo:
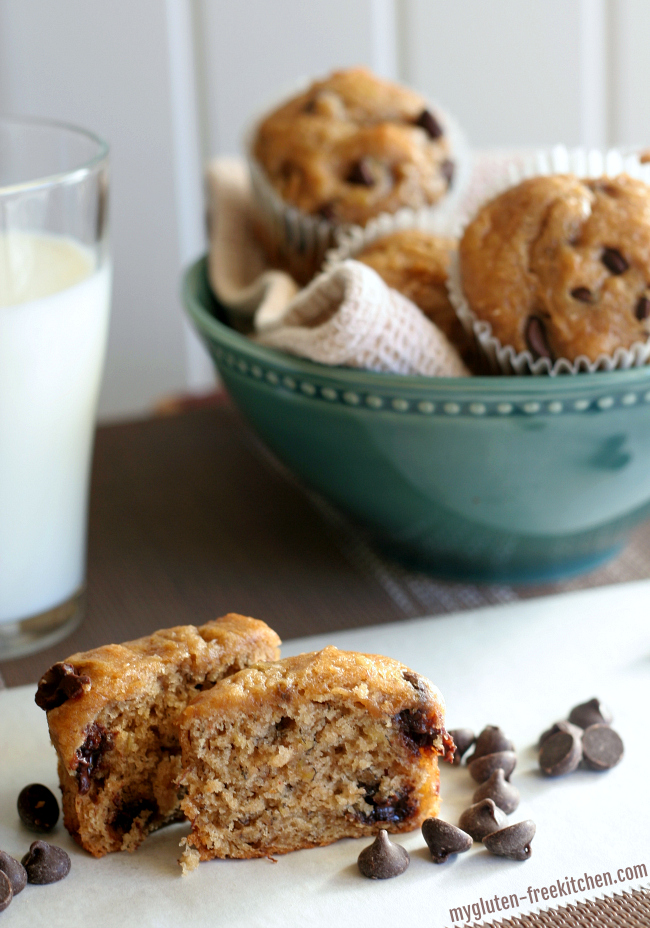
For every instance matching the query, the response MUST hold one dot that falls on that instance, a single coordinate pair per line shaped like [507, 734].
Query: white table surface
[521, 666]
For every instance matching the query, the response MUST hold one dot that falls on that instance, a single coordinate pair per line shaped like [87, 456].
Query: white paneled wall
[172, 82]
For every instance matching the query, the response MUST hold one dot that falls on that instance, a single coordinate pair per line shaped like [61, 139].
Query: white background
[170, 83]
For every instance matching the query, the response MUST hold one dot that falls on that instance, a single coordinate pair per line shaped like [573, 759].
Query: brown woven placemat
[625, 910]
[191, 517]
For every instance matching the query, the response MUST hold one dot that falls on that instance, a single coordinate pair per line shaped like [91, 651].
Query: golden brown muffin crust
[119, 672]
[561, 266]
[353, 146]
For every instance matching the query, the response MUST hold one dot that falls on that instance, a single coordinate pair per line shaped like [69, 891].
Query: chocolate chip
[60, 683]
[382, 859]
[559, 726]
[490, 741]
[482, 768]
[427, 121]
[415, 680]
[602, 747]
[642, 310]
[589, 713]
[463, 739]
[328, 212]
[503, 794]
[561, 753]
[536, 338]
[126, 814]
[583, 294]
[482, 818]
[513, 841]
[395, 808]
[90, 754]
[38, 808]
[361, 174]
[14, 871]
[6, 892]
[447, 169]
[444, 839]
[614, 261]
[417, 728]
[45, 863]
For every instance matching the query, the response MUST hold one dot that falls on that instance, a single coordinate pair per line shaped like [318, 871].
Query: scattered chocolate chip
[60, 683]
[642, 310]
[614, 261]
[482, 819]
[583, 294]
[361, 174]
[490, 741]
[513, 841]
[38, 808]
[463, 739]
[382, 859]
[560, 754]
[427, 121]
[536, 338]
[503, 794]
[6, 892]
[559, 726]
[444, 839]
[447, 169]
[482, 768]
[45, 863]
[589, 713]
[15, 872]
[602, 747]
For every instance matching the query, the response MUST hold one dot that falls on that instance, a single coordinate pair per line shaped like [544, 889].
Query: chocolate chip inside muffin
[560, 266]
[353, 146]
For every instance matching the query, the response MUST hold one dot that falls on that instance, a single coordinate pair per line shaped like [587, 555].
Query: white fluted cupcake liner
[306, 238]
[558, 160]
[351, 240]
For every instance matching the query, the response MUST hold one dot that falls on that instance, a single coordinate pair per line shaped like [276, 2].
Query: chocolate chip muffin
[415, 263]
[308, 750]
[353, 146]
[560, 267]
[112, 714]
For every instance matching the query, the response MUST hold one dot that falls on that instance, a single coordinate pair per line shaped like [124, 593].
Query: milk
[54, 305]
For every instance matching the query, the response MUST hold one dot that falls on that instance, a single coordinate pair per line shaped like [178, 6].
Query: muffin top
[561, 266]
[416, 263]
[353, 146]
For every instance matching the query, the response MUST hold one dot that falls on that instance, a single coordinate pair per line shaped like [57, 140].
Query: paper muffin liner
[299, 239]
[350, 240]
[558, 160]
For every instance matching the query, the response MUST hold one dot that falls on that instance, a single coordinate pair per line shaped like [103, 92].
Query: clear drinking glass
[55, 283]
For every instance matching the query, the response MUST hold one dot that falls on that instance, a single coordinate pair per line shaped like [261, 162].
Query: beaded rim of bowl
[370, 391]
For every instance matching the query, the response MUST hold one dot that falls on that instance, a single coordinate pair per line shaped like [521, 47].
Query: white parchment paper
[521, 666]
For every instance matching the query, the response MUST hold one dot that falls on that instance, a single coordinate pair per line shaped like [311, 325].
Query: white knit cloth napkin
[348, 316]
[237, 267]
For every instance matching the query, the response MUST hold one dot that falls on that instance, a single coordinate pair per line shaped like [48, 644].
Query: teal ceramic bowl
[479, 478]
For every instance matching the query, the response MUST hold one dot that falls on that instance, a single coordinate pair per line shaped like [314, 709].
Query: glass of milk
[55, 284]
